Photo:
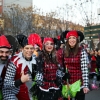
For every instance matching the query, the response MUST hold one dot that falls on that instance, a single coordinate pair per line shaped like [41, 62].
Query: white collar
[24, 62]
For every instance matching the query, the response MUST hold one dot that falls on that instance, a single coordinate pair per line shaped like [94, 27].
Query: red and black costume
[13, 87]
[50, 87]
[73, 65]
[12, 82]
[4, 43]
[48, 75]
[76, 65]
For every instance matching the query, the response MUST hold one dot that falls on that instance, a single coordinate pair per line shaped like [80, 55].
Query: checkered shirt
[84, 68]
[9, 89]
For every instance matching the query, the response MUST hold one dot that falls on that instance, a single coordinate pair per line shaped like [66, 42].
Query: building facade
[8, 9]
[5, 3]
[92, 33]
[1, 7]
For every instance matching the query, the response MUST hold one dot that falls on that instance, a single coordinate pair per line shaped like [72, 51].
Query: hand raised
[25, 77]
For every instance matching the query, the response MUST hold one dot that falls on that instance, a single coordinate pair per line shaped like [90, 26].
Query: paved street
[93, 95]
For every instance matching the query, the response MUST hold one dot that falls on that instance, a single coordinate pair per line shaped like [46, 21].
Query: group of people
[53, 66]
[94, 67]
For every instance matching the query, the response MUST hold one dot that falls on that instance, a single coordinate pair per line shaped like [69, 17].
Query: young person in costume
[37, 42]
[49, 72]
[75, 62]
[17, 73]
[4, 59]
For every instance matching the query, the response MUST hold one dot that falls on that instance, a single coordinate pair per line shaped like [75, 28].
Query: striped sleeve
[84, 68]
[9, 81]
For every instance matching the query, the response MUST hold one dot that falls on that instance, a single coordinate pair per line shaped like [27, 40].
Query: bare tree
[18, 20]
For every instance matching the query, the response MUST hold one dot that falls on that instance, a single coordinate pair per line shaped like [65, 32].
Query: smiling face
[4, 53]
[28, 51]
[72, 41]
[48, 46]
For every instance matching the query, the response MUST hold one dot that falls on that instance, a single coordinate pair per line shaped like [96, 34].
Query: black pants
[79, 96]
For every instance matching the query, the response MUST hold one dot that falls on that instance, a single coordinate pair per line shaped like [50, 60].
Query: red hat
[4, 42]
[35, 39]
[58, 37]
[47, 39]
[72, 33]
[93, 58]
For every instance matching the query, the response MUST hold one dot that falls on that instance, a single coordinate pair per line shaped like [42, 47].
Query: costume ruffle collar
[22, 60]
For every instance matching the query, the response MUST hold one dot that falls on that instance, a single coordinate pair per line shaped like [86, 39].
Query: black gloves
[67, 75]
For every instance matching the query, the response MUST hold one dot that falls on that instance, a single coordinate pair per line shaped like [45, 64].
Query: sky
[48, 5]
[78, 13]
[23, 3]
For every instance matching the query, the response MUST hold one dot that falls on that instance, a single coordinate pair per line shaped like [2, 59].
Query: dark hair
[69, 50]
[5, 47]
[49, 57]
